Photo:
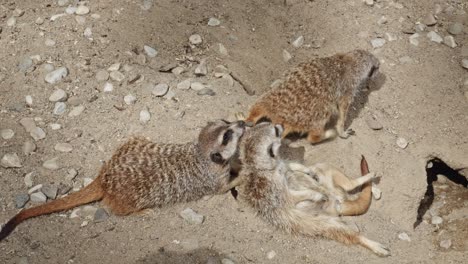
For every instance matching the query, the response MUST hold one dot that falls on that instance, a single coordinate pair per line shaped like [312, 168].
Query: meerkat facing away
[315, 96]
[265, 188]
[142, 174]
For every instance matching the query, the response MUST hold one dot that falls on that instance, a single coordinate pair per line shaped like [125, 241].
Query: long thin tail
[360, 205]
[92, 192]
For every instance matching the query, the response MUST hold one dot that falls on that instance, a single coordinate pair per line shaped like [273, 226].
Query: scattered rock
[49, 42]
[436, 220]
[390, 37]
[369, 2]
[297, 43]
[206, 91]
[18, 12]
[75, 213]
[184, 85]
[76, 111]
[37, 133]
[29, 100]
[82, 10]
[401, 142]
[413, 39]
[28, 179]
[88, 33]
[7, 133]
[51, 164]
[62, 2]
[429, 20]
[108, 87]
[378, 42]
[29, 147]
[87, 181]
[160, 89]
[11, 21]
[465, 63]
[271, 254]
[192, 217]
[38, 197]
[382, 20]
[151, 52]
[213, 22]
[420, 27]
[455, 28]
[404, 236]
[147, 4]
[220, 71]
[376, 192]
[145, 116]
[117, 76]
[21, 200]
[373, 123]
[101, 215]
[129, 99]
[25, 64]
[286, 56]
[39, 21]
[71, 174]
[63, 147]
[222, 50]
[35, 189]
[114, 67]
[57, 16]
[56, 75]
[170, 95]
[178, 70]
[70, 10]
[50, 191]
[60, 108]
[450, 41]
[197, 86]
[195, 39]
[102, 75]
[11, 160]
[201, 69]
[55, 126]
[433, 36]
[58, 95]
[28, 124]
[446, 244]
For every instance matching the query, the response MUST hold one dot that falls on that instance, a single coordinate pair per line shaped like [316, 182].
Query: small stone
[82, 10]
[401, 142]
[376, 192]
[160, 89]
[403, 236]
[62, 2]
[114, 67]
[100, 215]
[465, 63]
[75, 213]
[213, 22]
[429, 20]
[85, 223]
[25, 64]
[60, 108]
[433, 36]
[49, 42]
[420, 27]
[58, 95]
[71, 174]
[446, 244]
[151, 52]
[11, 21]
[28, 179]
[38, 197]
[297, 43]
[50, 191]
[102, 75]
[56, 75]
[413, 39]
[227, 261]
[373, 123]
[35, 189]
[197, 86]
[57, 16]
[436, 220]
[455, 28]
[108, 87]
[450, 41]
[29, 147]
[382, 20]
[147, 4]
[206, 91]
[178, 70]
[195, 39]
[18, 12]
[55, 126]
[28, 124]
[21, 200]
[63, 147]
[378, 42]
[7, 133]
[201, 69]
[117, 76]
[37, 133]
[141, 59]
[11, 160]
[51, 164]
[191, 217]
[76, 111]
[129, 99]
[145, 116]
[70, 10]
[29, 100]
[222, 50]
[271, 254]
[286, 56]
[39, 21]
[184, 85]
[220, 71]
[88, 32]
[170, 95]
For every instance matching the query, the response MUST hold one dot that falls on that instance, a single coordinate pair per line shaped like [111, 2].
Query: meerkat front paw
[239, 116]
[346, 133]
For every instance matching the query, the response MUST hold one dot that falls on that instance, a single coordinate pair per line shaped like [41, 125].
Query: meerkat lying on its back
[315, 96]
[265, 187]
[142, 174]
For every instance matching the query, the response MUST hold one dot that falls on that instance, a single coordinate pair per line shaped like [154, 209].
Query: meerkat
[142, 174]
[265, 188]
[315, 96]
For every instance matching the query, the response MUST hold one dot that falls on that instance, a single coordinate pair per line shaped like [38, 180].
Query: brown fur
[316, 95]
[265, 187]
[142, 174]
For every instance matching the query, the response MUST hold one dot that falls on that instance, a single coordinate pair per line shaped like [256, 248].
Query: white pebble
[197, 86]
[378, 43]
[63, 147]
[28, 179]
[436, 220]
[213, 22]
[88, 33]
[55, 17]
[433, 36]
[11, 21]
[82, 10]
[369, 2]
[51, 164]
[195, 39]
[28, 147]
[401, 142]
[38, 197]
[160, 89]
[76, 111]
[450, 41]
[298, 42]
[145, 116]
[184, 85]
[29, 100]
[222, 50]
[114, 67]
[129, 99]
[376, 192]
[49, 42]
[70, 10]
[55, 126]
[11, 160]
[446, 243]
[7, 133]
[286, 56]
[56, 75]
[35, 189]
[413, 39]
[37, 133]
[403, 236]
[58, 95]
[271, 254]
[87, 181]
[151, 52]
[108, 87]
[117, 76]
[59, 108]
[465, 63]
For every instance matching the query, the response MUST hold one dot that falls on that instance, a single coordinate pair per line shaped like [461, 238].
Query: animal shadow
[197, 256]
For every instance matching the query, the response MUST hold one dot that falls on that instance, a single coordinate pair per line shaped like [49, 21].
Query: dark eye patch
[227, 137]
[373, 69]
[217, 158]
[270, 151]
[277, 132]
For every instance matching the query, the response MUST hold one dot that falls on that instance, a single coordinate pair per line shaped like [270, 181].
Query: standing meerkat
[142, 174]
[315, 96]
[265, 188]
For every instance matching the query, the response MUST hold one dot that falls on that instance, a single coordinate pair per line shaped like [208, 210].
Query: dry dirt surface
[422, 104]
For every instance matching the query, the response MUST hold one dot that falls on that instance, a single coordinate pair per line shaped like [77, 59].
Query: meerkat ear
[217, 158]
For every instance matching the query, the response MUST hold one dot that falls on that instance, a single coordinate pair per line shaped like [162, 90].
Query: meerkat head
[366, 63]
[219, 140]
[260, 146]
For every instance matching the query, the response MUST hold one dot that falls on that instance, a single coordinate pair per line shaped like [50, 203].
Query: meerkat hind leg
[343, 181]
[340, 123]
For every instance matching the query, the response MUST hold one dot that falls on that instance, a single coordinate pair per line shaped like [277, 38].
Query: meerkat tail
[363, 202]
[331, 228]
[92, 192]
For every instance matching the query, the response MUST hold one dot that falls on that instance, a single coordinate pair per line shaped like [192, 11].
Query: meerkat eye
[270, 151]
[227, 136]
[217, 158]
[277, 131]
